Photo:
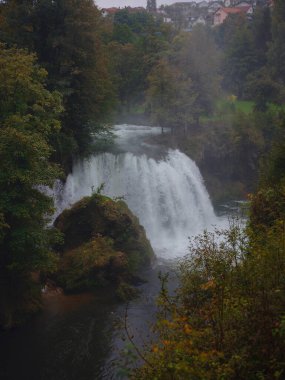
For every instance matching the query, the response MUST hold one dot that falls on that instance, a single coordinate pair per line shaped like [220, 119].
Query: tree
[261, 30]
[66, 36]
[276, 54]
[137, 42]
[161, 94]
[171, 97]
[128, 74]
[16, 23]
[184, 84]
[191, 54]
[225, 320]
[28, 117]
[276, 51]
[240, 59]
[151, 5]
[262, 89]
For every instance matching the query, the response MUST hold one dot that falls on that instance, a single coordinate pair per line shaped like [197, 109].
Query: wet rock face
[103, 243]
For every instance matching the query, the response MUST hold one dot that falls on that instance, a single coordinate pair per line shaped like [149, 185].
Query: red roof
[235, 10]
[111, 10]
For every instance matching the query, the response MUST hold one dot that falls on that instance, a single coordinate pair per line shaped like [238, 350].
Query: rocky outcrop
[103, 244]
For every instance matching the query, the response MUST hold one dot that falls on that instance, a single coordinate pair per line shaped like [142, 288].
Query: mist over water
[167, 194]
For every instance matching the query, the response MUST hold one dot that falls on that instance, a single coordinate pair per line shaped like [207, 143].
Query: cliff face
[103, 244]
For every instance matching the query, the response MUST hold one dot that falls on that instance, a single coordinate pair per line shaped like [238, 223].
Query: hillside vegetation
[66, 73]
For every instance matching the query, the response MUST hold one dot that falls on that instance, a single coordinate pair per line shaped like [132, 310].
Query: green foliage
[261, 30]
[89, 265]
[151, 5]
[137, 41]
[226, 320]
[262, 88]
[239, 60]
[253, 55]
[243, 106]
[171, 97]
[128, 71]
[145, 65]
[272, 164]
[126, 292]
[29, 115]
[138, 22]
[103, 242]
[221, 324]
[66, 36]
[276, 53]
[198, 56]
[182, 87]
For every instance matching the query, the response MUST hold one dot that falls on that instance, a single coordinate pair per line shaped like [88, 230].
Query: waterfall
[167, 195]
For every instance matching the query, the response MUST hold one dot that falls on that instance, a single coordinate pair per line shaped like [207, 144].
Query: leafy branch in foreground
[226, 320]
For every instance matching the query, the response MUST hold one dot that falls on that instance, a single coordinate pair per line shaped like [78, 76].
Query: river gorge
[80, 336]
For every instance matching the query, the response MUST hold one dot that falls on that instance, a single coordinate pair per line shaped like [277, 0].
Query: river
[80, 336]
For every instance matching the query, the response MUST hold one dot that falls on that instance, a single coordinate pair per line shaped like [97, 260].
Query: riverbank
[82, 336]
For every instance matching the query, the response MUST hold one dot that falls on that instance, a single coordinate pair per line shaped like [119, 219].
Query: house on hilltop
[213, 6]
[221, 14]
[109, 11]
[239, 3]
[185, 15]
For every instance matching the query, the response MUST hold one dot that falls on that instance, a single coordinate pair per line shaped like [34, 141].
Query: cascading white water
[168, 195]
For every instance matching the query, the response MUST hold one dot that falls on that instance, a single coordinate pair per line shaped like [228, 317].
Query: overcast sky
[132, 3]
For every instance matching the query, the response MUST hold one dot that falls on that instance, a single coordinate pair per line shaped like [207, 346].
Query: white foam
[168, 196]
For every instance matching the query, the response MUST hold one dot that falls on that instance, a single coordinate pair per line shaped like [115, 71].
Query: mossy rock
[103, 241]
[91, 265]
